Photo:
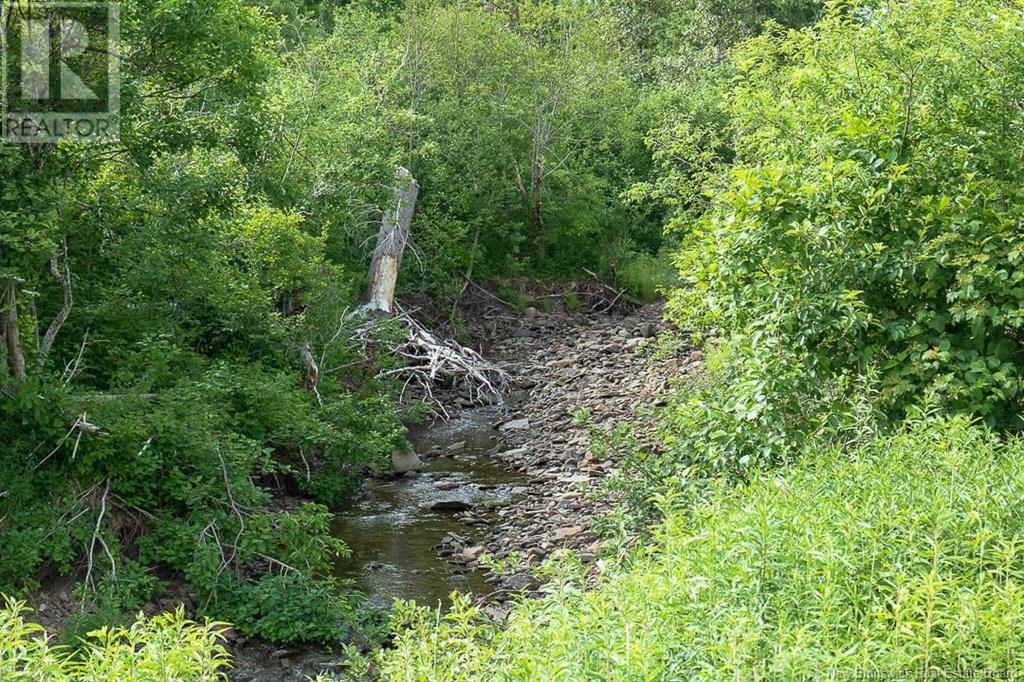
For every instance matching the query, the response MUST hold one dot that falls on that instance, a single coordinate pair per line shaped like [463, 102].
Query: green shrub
[292, 609]
[170, 405]
[903, 554]
[756, 405]
[167, 647]
[749, 408]
[112, 600]
[872, 217]
[189, 495]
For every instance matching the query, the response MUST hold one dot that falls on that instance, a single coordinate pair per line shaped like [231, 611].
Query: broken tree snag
[391, 241]
[312, 372]
[309, 363]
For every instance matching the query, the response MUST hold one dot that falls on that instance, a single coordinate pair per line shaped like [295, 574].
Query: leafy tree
[155, 302]
[519, 126]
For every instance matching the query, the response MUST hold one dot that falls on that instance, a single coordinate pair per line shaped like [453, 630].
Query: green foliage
[842, 204]
[868, 221]
[756, 406]
[111, 601]
[166, 647]
[646, 277]
[856, 242]
[291, 554]
[514, 295]
[903, 554]
[192, 293]
[291, 609]
[520, 130]
[687, 112]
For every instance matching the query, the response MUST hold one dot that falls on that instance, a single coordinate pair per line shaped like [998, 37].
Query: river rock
[521, 581]
[566, 532]
[451, 506]
[496, 613]
[404, 462]
[561, 365]
[447, 485]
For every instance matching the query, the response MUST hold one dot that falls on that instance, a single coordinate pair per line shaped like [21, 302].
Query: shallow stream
[395, 527]
[394, 530]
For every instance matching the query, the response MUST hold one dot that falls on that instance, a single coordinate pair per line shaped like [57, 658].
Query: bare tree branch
[64, 279]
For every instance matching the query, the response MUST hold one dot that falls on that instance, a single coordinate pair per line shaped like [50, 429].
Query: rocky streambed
[400, 526]
[566, 366]
[511, 483]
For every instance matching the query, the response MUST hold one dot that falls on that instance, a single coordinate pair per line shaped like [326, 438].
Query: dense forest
[821, 200]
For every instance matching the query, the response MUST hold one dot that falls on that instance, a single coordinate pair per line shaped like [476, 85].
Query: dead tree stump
[391, 241]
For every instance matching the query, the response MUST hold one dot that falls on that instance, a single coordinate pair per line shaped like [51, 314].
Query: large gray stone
[515, 425]
[404, 462]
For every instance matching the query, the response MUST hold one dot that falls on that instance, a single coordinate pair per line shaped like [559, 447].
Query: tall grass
[646, 277]
[904, 555]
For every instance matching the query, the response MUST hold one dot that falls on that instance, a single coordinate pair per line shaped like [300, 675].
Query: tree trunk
[536, 216]
[391, 241]
[542, 116]
[12, 334]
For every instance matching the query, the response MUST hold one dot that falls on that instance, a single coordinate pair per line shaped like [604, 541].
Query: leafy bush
[111, 601]
[756, 405]
[166, 647]
[903, 554]
[871, 219]
[192, 496]
[292, 609]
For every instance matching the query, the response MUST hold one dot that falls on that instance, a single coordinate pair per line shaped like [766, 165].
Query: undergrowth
[902, 554]
[167, 647]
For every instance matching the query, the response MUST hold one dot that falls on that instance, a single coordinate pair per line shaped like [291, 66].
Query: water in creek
[394, 533]
[394, 530]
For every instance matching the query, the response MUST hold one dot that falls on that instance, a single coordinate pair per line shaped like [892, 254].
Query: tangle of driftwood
[431, 363]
